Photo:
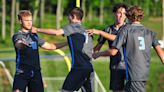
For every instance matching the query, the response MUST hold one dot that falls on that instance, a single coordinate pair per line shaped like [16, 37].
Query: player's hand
[21, 44]
[90, 31]
[34, 30]
[96, 55]
[93, 31]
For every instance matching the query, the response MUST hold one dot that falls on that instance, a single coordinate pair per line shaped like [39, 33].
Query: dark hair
[24, 13]
[78, 12]
[118, 6]
[135, 13]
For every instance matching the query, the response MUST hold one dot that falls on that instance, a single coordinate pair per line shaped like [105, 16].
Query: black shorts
[28, 78]
[135, 86]
[79, 78]
[117, 79]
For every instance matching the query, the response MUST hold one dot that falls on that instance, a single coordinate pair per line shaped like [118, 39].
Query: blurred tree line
[100, 9]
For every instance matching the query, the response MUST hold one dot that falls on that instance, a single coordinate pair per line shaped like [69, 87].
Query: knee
[17, 90]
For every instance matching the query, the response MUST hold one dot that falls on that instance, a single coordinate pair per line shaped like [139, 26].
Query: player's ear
[72, 16]
[20, 21]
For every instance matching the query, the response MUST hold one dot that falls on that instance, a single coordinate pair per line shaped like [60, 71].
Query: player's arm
[53, 46]
[102, 33]
[97, 47]
[21, 44]
[48, 31]
[100, 41]
[109, 52]
[160, 52]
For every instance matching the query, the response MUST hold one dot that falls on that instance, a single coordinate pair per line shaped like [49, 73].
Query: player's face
[26, 22]
[120, 15]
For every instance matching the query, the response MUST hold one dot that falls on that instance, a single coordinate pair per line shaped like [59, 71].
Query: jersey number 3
[142, 43]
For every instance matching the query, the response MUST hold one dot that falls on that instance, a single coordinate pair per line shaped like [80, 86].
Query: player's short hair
[135, 13]
[118, 6]
[78, 12]
[24, 13]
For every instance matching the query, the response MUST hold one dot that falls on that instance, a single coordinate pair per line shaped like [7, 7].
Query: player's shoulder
[108, 28]
[68, 27]
[72, 25]
[148, 31]
[127, 25]
[130, 27]
[16, 34]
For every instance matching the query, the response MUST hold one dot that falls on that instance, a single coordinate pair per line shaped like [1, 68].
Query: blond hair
[24, 13]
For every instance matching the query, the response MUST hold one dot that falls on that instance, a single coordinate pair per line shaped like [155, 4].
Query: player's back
[138, 44]
[82, 50]
[80, 44]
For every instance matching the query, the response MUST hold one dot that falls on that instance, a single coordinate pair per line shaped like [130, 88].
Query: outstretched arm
[109, 52]
[53, 46]
[102, 33]
[97, 47]
[48, 31]
[160, 52]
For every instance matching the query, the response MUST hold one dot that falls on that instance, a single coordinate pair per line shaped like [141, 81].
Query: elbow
[113, 52]
[54, 47]
[57, 34]
[51, 47]
[163, 61]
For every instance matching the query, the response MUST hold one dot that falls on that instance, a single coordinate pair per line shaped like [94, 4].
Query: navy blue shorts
[79, 78]
[28, 78]
[117, 79]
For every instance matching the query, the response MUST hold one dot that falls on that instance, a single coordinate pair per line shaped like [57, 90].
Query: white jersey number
[142, 43]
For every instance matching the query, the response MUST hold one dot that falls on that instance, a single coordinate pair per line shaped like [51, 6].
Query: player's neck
[118, 25]
[24, 30]
[136, 22]
[75, 21]
[79, 22]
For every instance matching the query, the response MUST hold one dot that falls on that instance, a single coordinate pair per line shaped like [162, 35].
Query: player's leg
[36, 83]
[135, 86]
[71, 82]
[117, 80]
[75, 80]
[88, 85]
[20, 82]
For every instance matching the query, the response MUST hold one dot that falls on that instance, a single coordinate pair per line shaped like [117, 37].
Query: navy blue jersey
[137, 41]
[117, 61]
[30, 55]
[80, 44]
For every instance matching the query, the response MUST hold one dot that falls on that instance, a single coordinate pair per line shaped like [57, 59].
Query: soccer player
[81, 47]
[28, 71]
[117, 65]
[136, 41]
